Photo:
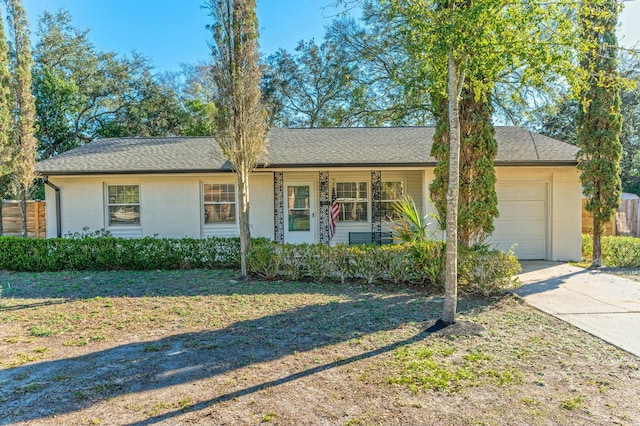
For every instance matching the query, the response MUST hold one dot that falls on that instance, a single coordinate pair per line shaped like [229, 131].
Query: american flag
[334, 212]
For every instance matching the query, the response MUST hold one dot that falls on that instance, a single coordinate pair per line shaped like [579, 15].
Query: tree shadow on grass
[39, 390]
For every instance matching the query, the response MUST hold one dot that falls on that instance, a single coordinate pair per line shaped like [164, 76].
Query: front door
[300, 226]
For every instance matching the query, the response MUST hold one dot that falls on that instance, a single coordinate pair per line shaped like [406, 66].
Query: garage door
[523, 219]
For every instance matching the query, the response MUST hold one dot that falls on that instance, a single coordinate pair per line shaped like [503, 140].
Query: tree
[379, 64]
[240, 117]
[198, 95]
[353, 78]
[630, 135]
[156, 111]
[6, 123]
[82, 92]
[460, 44]
[478, 201]
[558, 120]
[599, 120]
[313, 86]
[24, 107]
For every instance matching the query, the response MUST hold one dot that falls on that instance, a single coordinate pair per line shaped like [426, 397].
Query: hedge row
[616, 251]
[480, 269]
[108, 253]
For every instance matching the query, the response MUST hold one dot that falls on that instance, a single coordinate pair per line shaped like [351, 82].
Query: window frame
[357, 200]
[205, 203]
[108, 204]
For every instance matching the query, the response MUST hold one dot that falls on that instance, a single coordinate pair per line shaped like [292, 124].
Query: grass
[193, 346]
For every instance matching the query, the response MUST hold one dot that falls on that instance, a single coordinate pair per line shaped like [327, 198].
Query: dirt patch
[196, 347]
[457, 329]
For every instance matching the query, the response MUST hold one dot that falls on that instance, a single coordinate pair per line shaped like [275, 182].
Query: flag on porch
[334, 213]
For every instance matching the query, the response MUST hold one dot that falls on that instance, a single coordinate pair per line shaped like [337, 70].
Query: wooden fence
[587, 223]
[627, 220]
[12, 219]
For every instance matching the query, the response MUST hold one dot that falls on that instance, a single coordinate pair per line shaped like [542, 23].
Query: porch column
[278, 207]
[376, 211]
[323, 178]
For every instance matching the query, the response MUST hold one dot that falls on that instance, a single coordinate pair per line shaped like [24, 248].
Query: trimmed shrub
[108, 253]
[617, 251]
[480, 270]
[621, 251]
[487, 272]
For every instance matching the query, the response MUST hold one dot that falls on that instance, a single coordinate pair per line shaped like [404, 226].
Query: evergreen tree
[241, 126]
[599, 120]
[24, 107]
[6, 122]
[478, 201]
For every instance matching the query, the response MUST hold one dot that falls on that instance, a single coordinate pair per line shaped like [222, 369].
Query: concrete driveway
[605, 305]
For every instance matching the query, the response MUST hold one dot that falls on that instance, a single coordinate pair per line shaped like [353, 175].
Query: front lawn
[197, 347]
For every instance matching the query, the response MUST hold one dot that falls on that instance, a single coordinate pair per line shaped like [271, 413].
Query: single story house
[181, 187]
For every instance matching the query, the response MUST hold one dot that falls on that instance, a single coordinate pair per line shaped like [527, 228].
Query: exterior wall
[429, 209]
[172, 205]
[567, 208]
[166, 205]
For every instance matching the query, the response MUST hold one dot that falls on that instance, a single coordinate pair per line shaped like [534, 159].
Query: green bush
[587, 247]
[617, 251]
[108, 253]
[487, 272]
[621, 251]
[480, 270]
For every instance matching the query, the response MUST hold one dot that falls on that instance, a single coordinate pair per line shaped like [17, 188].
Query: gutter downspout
[45, 179]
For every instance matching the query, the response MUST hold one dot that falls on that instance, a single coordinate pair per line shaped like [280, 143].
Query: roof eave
[273, 166]
[127, 172]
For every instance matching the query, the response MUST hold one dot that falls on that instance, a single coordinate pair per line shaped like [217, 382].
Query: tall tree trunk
[1, 216]
[23, 210]
[455, 77]
[596, 262]
[245, 230]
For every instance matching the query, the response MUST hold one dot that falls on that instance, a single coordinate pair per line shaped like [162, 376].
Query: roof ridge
[535, 146]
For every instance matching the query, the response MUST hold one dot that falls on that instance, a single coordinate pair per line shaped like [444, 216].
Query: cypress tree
[24, 107]
[599, 121]
[6, 123]
[478, 202]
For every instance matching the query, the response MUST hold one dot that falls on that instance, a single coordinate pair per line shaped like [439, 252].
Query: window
[123, 204]
[353, 200]
[390, 194]
[219, 203]
[299, 211]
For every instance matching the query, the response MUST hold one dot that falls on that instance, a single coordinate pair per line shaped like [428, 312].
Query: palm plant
[411, 225]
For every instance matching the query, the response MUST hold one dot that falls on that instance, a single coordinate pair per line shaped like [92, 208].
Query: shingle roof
[326, 147]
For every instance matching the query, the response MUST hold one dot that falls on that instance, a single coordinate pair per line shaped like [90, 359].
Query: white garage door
[523, 219]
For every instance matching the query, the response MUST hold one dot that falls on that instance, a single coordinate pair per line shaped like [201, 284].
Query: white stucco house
[180, 187]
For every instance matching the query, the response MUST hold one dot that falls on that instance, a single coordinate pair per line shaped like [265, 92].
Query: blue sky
[172, 32]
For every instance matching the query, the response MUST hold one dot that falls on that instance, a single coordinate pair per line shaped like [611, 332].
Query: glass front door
[300, 213]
